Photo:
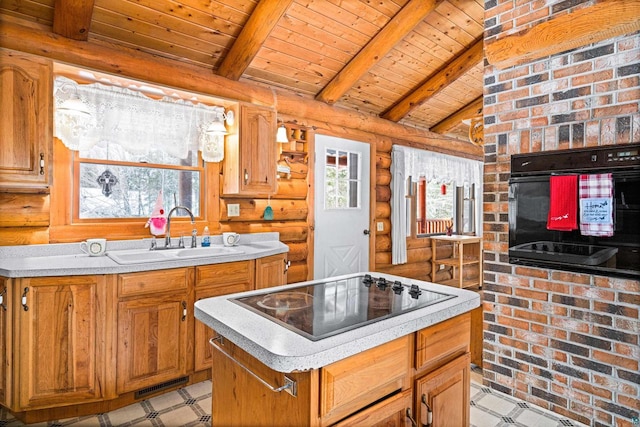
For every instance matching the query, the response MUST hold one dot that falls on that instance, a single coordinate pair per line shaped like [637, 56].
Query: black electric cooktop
[323, 309]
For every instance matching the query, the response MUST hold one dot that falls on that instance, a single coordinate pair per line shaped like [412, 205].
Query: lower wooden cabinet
[153, 328]
[271, 271]
[392, 411]
[60, 334]
[212, 281]
[442, 396]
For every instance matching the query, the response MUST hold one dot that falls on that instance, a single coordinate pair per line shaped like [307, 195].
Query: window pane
[126, 152]
[353, 165]
[132, 191]
[342, 180]
[353, 194]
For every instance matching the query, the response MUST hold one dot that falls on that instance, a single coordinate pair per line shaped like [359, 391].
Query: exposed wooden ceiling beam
[601, 21]
[255, 32]
[473, 109]
[72, 18]
[396, 29]
[435, 83]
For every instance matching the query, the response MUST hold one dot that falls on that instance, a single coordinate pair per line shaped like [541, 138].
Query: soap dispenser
[206, 238]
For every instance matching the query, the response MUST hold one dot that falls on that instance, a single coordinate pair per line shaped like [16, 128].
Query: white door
[341, 207]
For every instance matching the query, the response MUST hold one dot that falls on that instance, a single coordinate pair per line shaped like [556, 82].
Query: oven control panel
[623, 155]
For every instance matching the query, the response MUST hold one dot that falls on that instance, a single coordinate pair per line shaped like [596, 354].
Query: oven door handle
[290, 386]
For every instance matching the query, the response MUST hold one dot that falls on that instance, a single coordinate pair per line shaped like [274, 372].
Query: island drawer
[362, 379]
[442, 342]
[151, 282]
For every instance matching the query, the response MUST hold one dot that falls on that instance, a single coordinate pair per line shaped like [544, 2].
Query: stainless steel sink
[143, 256]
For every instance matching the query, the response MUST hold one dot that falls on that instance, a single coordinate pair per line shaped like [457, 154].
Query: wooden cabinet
[271, 271]
[442, 396]
[393, 411]
[5, 331]
[212, 281]
[26, 102]
[61, 333]
[463, 255]
[155, 317]
[251, 157]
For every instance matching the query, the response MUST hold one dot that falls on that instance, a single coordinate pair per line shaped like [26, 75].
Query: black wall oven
[532, 243]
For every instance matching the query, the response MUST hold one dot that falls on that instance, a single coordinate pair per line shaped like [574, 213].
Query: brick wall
[565, 341]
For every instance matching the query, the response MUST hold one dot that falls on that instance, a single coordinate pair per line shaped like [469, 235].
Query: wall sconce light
[72, 117]
[217, 127]
[281, 136]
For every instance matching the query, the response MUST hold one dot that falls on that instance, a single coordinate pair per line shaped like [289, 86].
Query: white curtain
[398, 208]
[415, 163]
[175, 126]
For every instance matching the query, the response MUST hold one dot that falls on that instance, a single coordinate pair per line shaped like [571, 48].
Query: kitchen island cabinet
[374, 373]
[5, 337]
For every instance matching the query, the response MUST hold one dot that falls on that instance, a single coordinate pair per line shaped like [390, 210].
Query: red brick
[615, 360]
[537, 295]
[530, 337]
[616, 110]
[569, 393]
[570, 324]
[513, 323]
[563, 276]
[591, 389]
[594, 293]
[513, 74]
[551, 286]
[615, 384]
[531, 17]
[531, 316]
[629, 95]
[592, 78]
[582, 67]
[520, 345]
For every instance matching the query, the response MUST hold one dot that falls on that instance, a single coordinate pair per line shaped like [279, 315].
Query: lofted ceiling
[415, 62]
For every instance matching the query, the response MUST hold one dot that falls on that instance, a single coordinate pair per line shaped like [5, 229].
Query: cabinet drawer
[360, 380]
[225, 274]
[439, 343]
[390, 412]
[150, 282]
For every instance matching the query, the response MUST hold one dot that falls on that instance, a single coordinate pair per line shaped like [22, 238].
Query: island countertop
[286, 351]
[66, 259]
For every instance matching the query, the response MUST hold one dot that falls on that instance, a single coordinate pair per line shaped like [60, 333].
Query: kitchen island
[365, 348]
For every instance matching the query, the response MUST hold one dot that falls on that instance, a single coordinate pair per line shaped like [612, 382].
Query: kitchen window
[132, 144]
[430, 192]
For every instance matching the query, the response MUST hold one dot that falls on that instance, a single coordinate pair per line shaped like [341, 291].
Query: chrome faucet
[167, 239]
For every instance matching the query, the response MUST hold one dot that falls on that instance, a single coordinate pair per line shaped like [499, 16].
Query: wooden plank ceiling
[416, 62]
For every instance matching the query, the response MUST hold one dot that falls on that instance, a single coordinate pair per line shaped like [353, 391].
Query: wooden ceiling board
[150, 37]
[34, 11]
[310, 45]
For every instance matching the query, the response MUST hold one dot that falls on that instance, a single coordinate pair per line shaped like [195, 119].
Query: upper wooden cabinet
[61, 333]
[251, 158]
[26, 111]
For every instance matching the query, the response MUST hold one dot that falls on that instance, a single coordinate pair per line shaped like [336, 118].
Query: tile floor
[190, 406]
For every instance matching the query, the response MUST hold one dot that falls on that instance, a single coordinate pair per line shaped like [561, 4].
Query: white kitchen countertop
[66, 259]
[285, 351]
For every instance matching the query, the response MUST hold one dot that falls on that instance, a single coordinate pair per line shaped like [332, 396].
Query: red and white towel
[563, 203]
[596, 205]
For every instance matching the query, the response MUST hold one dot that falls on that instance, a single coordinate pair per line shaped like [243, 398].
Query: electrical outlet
[233, 210]
[381, 226]
[441, 266]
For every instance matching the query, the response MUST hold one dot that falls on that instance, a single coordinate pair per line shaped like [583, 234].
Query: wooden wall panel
[24, 210]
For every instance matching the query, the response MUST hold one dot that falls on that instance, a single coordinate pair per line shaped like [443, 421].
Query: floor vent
[159, 387]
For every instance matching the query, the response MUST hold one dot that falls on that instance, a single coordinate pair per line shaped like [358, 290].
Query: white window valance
[439, 167]
[176, 126]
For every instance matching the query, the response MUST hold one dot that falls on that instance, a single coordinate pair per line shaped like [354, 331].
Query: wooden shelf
[466, 251]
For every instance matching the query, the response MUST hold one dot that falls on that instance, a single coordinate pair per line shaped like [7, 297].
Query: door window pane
[342, 179]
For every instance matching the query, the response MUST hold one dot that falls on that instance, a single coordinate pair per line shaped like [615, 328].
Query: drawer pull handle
[413, 422]
[41, 163]
[246, 177]
[429, 412]
[2, 294]
[25, 307]
[184, 311]
[290, 386]
[287, 265]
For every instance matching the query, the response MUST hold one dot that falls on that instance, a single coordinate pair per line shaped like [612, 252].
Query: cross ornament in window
[107, 180]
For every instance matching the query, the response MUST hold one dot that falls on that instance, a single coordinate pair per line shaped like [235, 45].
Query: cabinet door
[445, 394]
[61, 334]
[250, 162]
[152, 341]
[212, 281]
[5, 311]
[271, 271]
[25, 118]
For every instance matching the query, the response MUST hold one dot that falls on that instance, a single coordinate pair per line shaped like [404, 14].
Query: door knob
[366, 232]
